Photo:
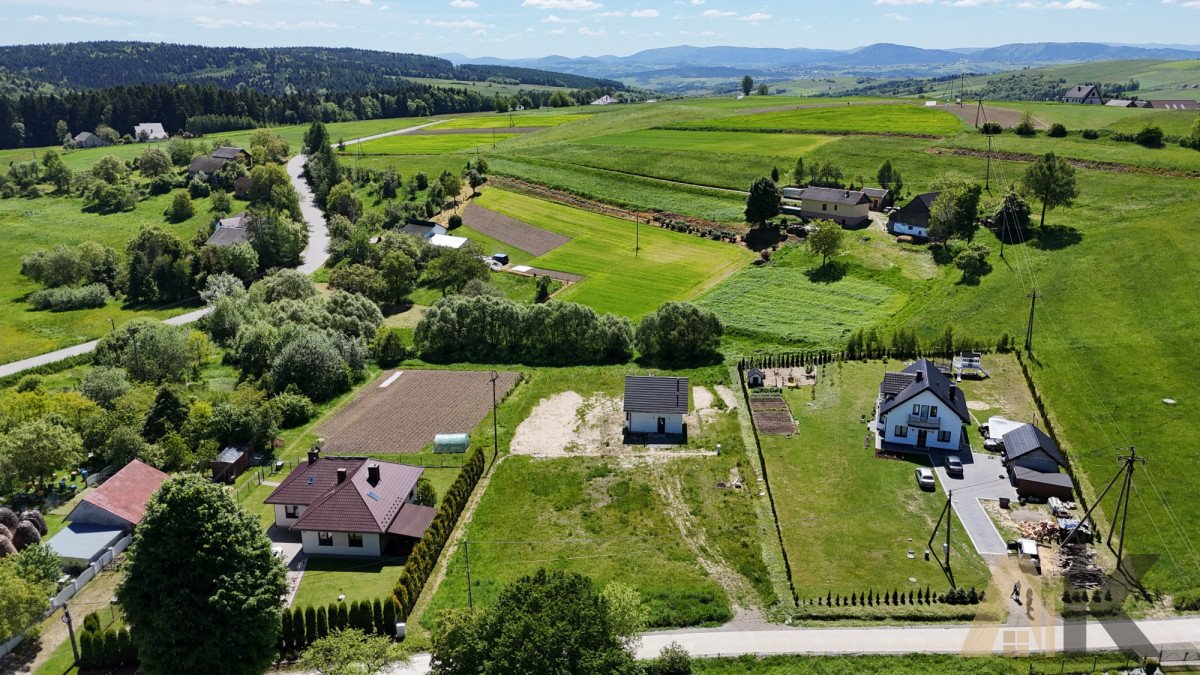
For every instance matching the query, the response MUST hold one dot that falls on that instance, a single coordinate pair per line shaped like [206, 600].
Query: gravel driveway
[983, 478]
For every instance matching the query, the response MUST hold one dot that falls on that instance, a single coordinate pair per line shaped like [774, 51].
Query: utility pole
[495, 424]
[66, 618]
[987, 181]
[467, 552]
[1126, 471]
[1033, 296]
[946, 514]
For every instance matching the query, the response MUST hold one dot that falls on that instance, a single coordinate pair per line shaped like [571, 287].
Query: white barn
[655, 405]
[920, 407]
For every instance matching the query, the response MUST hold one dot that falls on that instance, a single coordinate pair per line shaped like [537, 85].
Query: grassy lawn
[872, 514]
[406, 165]
[30, 224]
[430, 144]
[899, 119]
[914, 664]
[1003, 392]
[1170, 156]
[669, 266]
[326, 578]
[739, 142]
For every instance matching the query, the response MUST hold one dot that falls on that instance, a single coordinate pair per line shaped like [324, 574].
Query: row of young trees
[302, 626]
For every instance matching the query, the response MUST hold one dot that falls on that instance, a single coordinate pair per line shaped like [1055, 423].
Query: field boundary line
[1087, 164]
[700, 186]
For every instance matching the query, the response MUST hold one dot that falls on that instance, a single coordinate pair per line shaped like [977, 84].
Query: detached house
[351, 506]
[655, 405]
[230, 231]
[913, 218]
[920, 407]
[153, 131]
[1086, 94]
[107, 514]
[844, 207]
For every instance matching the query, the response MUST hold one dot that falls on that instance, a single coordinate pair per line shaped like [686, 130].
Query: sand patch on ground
[974, 404]
[727, 396]
[542, 431]
[702, 397]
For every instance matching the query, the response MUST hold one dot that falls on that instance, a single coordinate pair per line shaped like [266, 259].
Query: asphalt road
[314, 255]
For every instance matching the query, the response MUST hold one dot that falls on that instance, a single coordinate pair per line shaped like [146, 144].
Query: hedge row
[47, 369]
[955, 596]
[303, 625]
[107, 649]
[425, 554]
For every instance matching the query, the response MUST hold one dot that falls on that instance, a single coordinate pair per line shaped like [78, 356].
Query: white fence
[7, 647]
[89, 572]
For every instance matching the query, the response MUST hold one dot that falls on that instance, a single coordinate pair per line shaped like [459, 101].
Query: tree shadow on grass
[828, 273]
[759, 238]
[1055, 237]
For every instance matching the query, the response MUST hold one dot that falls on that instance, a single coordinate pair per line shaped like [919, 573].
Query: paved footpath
[314, 255]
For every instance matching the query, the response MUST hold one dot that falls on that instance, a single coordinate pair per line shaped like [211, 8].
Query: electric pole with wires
[1121, 512]
[1033, 296]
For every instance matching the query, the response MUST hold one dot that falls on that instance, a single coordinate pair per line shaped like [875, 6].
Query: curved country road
[314, 255]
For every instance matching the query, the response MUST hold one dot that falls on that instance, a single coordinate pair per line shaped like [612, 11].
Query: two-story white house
[920, 407]
[351, 506]
[844, 207]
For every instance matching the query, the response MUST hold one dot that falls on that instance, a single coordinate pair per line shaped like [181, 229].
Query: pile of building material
[1078, 564]
[1039, 530]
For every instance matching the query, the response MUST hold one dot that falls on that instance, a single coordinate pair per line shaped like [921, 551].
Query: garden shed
[232, 462]
[451, 443]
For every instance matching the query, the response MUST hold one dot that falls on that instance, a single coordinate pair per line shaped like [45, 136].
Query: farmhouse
[920, 407]
[154, 131]
[207, 165]
[881, 198]
[655, 405]
[913, 218]
[86, 139]
[107, 514]
[231, 153]
[1184, 104]
[1033, 461]
[1086, 94]
[230, 231]
[351, 506]
[844, 207]
[605, 100]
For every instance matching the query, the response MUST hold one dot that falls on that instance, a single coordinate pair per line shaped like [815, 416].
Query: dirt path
[93, 597]
[741, 595]
[727, 396]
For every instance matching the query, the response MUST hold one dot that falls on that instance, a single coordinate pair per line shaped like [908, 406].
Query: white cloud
[93, 20]
[755, 17]
[697, 2]
[209, 22]
[715, 13]
[562, 4]
[464, 4]
[703, 33]
[463, 24]
[1194, 4]
[904, 2]
[644, 13]
[614, 13]
[592, 33]
[1026, 5]
[556, 31]
[895, 17]
[1075, 4]
[557, 19]
[240, 2]
[360, 2]
[970, 3]
[35, 17]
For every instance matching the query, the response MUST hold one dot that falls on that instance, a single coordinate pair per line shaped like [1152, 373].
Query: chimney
[341, 474]
[920, 376]
[314, 455]
[373, 474]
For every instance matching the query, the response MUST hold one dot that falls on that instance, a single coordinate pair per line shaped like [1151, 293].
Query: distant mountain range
[872, 58]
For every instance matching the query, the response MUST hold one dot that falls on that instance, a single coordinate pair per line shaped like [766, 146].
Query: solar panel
[372, 495]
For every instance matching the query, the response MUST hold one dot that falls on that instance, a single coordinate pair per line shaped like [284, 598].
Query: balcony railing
[924, 421]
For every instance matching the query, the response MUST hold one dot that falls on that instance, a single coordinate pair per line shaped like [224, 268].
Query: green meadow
[429, 144]
[516, 119]
[901, 118]
[714, 141]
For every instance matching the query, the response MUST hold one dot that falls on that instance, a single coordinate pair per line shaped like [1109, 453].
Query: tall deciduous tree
[36, 449]
[202, 587]
[678, 332]
[827, 240]
[747, 84]
[1052, 180]
[762, 204]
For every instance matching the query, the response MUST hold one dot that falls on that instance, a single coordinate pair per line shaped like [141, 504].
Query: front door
[662, 425]
[921, 434]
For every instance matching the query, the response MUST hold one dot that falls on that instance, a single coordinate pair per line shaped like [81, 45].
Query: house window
[901, 432]
[355, 540]
[933, 411]
[916, 409]
[824, 207]
[943, 436]
[324, 539]
[291, 511]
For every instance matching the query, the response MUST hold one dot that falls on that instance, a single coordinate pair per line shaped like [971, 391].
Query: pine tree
[377, 615]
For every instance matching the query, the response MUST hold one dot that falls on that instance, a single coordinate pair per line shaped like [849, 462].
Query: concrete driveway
[293, 557]
[983, 478]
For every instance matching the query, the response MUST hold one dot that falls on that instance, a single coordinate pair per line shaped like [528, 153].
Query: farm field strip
[669, 265]
[406, 415]
[869, 119]
[499, 122]
[408, 144]
[735, 142]
[532, 240]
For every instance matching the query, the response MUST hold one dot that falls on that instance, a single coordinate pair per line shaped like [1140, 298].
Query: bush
[1149, 137]
[293, 409]
[1090, 134]
[679, 332]
[1025, 127]
[64, 298]
[388, 347]
[991, 128]
[1057, 130]
[455, 222]
[181, 208]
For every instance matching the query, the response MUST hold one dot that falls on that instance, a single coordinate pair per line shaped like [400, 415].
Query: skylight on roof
[372, 495]
[310, 480]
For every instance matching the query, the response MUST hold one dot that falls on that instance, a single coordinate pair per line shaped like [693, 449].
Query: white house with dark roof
[912, 219]
[1086, 94]
[920, 407]
[230, 231]
[655, 405]
[351, 506]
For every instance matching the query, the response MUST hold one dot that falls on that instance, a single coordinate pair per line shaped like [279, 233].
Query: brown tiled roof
[356, 505]
[126, 493]
[413, 520]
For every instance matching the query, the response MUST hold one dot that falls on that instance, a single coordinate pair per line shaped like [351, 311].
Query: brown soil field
[405, 415]
[511, 231]
[772, 415]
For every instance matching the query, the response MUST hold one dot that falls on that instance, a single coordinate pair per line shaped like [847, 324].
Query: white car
[925, 479]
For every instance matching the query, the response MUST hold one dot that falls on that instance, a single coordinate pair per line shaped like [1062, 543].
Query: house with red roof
[351, 506]
[107, 514]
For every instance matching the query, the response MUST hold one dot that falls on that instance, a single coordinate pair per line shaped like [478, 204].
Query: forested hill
[278, 70]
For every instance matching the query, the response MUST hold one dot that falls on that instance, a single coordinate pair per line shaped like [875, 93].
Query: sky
[532, 28]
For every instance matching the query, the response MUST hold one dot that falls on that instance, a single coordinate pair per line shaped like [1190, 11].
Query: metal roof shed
[78, 544]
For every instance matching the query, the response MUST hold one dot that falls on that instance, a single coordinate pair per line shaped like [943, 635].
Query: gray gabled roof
[834, 195]
[925, 377]
[1082, 91]
[1027, 439]
[227, 152]
[649, 394]
[878, 193]
[206, 165]
[83, 136]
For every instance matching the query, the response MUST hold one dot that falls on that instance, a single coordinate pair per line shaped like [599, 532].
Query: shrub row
[869, 343]
[304, 625]
[1187, 600]
[66, 298]
[425, 554]
[107, 649]
[47, 369]
[714, 233]
[954, 596]
[1069, 596]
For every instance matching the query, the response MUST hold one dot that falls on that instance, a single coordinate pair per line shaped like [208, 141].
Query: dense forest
[279, 70]
[33, 119]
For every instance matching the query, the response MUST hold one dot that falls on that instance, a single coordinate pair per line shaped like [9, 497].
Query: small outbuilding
[448, 241]
[230, 231]
[231, 153]
[207, 165]
[232, 462]
[655, 405]
[241, 187]
[881, 198]
[153, 131]
[86, 139]
[1029, 447]
[425, 229]
[605, 100]
[755, 377]
[1042, 485]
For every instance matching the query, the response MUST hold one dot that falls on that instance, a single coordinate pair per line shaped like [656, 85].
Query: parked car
[925, 479]
[954, 466]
